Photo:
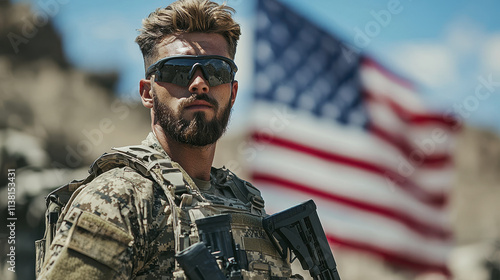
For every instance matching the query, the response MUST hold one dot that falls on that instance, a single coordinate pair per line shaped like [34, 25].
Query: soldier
[139, 206]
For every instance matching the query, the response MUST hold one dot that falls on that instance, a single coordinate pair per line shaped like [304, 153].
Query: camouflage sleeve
[102, 236]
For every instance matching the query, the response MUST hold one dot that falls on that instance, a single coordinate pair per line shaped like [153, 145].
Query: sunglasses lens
[218, 72]
[179, 71]
[176, 71]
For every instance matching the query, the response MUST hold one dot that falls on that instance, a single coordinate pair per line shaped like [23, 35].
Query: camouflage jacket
[125, 225]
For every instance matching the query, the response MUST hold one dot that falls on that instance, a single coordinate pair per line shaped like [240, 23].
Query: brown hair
[186, 16]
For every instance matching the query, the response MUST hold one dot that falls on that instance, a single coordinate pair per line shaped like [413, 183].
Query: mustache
[196, 97]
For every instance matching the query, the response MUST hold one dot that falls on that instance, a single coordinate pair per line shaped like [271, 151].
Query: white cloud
[429, 63]
[464, 51]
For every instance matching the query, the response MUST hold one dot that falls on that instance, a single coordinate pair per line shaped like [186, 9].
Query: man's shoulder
[118, 184]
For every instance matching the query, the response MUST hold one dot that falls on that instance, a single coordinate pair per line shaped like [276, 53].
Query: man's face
[198, 130]
[197, 114]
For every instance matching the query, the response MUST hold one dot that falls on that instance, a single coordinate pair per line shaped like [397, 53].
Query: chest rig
[228, 196]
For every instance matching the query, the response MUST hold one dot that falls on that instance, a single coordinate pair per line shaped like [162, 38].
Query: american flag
[332, 124]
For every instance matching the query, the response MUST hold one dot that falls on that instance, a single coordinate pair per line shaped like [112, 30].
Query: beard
[196, 132]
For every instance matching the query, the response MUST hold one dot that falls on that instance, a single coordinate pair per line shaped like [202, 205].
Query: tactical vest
[243, 203]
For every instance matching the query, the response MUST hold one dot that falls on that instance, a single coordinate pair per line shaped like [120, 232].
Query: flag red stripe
[434, 200]
[411, 262]
[411, 117]
[433, 161]
[421, 227]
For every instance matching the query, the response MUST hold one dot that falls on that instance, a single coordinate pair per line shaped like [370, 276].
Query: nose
[198, 84]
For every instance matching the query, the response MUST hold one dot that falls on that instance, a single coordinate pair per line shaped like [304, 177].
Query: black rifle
[199, 264]
[299, 229]
[215, 232]
[216, 244]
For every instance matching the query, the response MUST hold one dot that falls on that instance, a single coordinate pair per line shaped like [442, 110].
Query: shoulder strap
[131, 156]
[145, 158]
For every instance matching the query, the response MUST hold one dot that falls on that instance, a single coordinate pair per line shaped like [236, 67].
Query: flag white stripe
[434, 180]
[380, 84]
[429, 139]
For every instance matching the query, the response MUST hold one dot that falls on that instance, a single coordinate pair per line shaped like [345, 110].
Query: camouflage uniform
[123, 224]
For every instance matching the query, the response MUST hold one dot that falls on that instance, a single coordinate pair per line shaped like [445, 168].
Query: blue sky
[448, 48]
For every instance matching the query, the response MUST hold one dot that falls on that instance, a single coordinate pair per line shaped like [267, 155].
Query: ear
[146, 93]
[234, 91]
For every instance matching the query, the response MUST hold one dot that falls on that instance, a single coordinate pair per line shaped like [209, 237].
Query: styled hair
[187, 16]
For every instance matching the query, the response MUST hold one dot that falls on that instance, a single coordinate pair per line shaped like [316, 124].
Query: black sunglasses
[179, 70]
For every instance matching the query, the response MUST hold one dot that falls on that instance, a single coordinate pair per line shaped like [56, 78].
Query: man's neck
[196, 161]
